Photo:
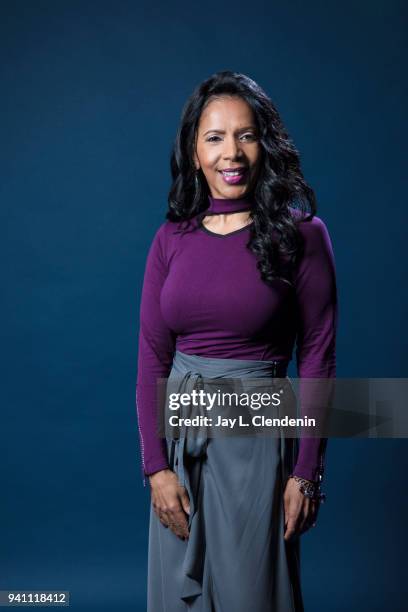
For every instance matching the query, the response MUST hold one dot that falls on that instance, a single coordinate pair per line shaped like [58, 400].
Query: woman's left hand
[300, 511]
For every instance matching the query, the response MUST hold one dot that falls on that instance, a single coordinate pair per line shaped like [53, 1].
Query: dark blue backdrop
[91, 95]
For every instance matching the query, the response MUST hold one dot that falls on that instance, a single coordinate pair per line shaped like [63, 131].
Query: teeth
[235, 173]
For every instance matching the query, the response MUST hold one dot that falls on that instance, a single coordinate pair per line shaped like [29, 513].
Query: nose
[232, 149]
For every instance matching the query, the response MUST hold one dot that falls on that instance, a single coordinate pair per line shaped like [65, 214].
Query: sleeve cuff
[156, 467]
[307, 472]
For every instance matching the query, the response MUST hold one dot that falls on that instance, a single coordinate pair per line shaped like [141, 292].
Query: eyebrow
[248, 127]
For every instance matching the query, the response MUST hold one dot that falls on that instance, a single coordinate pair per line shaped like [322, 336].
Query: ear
[196, 162]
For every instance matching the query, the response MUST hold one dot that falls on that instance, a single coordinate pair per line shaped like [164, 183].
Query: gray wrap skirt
[236, 558]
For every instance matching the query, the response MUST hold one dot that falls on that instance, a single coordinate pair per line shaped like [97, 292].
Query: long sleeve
[316, 338]
[156, 349]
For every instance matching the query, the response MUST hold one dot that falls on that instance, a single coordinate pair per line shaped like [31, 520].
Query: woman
[240, 269]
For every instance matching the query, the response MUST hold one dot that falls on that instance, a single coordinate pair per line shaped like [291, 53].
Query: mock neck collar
[219, 206]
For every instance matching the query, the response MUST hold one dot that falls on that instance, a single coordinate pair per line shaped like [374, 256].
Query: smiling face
[227, 139]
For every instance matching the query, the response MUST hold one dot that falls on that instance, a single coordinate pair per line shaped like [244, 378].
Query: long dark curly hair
[280, 190]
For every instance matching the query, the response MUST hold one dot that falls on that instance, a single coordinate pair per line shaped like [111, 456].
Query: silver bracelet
[312, 490]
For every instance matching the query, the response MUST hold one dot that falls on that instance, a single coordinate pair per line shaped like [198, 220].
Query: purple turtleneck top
[202, 294]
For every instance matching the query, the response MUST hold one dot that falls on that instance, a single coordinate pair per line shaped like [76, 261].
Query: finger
[290, 532]
[289, 509]
[286, 503]
[306, 526]
[165, 516]
[294, 508]
[158, 511]
[162, 517]
[304, 516]
[314, 512]
[178, 530]
[303, 525]
[316, 507]
[303, 512]
[163, 520]
[177, 521]
[311, 519]
[185, 501]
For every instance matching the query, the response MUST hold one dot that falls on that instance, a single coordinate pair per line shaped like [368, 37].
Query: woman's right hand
[170, 501]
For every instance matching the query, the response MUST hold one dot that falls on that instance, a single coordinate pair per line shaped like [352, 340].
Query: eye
[249, 136]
